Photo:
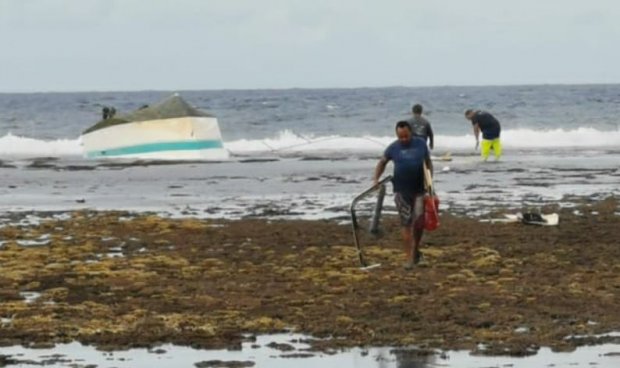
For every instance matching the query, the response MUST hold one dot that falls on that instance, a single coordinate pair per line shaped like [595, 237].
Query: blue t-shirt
[408, 165]
[488, 125]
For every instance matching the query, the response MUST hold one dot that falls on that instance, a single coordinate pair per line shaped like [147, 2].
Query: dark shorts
[410, 207]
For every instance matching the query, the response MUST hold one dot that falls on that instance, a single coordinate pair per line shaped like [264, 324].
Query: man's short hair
[403, 124]
[468, 111]
[417, 109]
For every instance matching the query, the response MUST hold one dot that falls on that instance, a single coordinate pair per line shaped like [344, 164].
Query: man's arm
[379, 169]
[428, 172]
[431, 137]
[429, 162]
[477, 134]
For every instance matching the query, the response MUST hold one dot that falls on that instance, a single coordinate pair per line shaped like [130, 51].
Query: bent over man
[486, 123]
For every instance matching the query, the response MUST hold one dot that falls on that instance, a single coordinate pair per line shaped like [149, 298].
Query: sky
[114, 45]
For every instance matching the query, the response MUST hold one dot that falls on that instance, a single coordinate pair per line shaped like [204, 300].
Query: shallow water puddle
[40, 241]
[30, 296]
[286, 350]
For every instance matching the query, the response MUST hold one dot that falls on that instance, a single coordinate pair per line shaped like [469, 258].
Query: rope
[309, 141]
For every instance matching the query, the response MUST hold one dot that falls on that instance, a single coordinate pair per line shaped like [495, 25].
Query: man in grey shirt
[420, 127]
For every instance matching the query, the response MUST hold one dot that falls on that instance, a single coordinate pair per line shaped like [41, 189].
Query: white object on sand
[552, 219]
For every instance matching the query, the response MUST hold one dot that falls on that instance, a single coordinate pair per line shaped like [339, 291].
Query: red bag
[431, 212]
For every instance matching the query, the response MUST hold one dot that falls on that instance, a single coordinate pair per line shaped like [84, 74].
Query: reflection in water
[414, 358]
[264, 353]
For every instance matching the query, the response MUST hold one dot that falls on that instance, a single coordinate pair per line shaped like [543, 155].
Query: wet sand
[118, 280]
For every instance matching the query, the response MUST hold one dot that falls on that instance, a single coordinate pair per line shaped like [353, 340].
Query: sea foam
[12, 145]
[287, 141]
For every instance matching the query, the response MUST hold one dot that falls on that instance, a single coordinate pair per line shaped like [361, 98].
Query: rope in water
[310, 141]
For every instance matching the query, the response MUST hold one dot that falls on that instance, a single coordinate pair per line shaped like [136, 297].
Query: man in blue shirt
[409, 154]
[486, 123]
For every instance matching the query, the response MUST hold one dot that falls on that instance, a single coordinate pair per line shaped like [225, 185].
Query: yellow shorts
[487, 145]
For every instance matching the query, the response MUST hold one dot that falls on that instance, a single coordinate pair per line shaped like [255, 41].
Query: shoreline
[278, 350]
[118, 280]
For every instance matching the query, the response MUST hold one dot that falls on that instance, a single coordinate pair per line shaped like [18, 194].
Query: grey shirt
[421, 127]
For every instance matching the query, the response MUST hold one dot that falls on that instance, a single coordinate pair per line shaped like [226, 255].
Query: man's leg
[497, 148]
[485, 149]
[408, 244]
[418, 226]
[404, 204]
[418, 231]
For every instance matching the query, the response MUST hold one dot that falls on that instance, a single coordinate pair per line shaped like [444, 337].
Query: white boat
[169, 130]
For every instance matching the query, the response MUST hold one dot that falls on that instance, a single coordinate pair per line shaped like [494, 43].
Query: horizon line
[51, 91]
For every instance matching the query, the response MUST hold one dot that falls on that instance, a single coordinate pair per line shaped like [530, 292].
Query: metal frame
[380, 186]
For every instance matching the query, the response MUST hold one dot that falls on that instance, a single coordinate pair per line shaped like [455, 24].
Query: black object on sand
[381, 188]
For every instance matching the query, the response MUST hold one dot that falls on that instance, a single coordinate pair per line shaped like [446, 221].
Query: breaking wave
[290, 142]
[12, 145]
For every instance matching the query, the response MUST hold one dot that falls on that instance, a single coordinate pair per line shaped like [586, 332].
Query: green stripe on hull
[156, 147]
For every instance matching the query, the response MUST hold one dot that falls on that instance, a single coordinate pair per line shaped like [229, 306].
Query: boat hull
[186, 138]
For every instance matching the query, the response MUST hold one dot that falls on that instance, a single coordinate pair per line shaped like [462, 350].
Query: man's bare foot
[408, 265]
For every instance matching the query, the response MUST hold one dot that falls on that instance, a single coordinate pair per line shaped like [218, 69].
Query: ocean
[305, 153]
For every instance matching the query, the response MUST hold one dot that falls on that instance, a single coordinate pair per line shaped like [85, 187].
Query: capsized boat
[169, 130]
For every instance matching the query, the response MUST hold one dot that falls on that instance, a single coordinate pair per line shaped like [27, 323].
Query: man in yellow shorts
[486, 123]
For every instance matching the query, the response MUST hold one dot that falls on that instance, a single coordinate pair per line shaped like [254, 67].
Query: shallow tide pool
[287, 350]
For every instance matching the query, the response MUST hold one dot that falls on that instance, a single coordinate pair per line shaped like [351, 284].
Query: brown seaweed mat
[116, 281]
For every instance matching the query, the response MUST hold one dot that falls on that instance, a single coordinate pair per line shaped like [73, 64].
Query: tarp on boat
[169, 108]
